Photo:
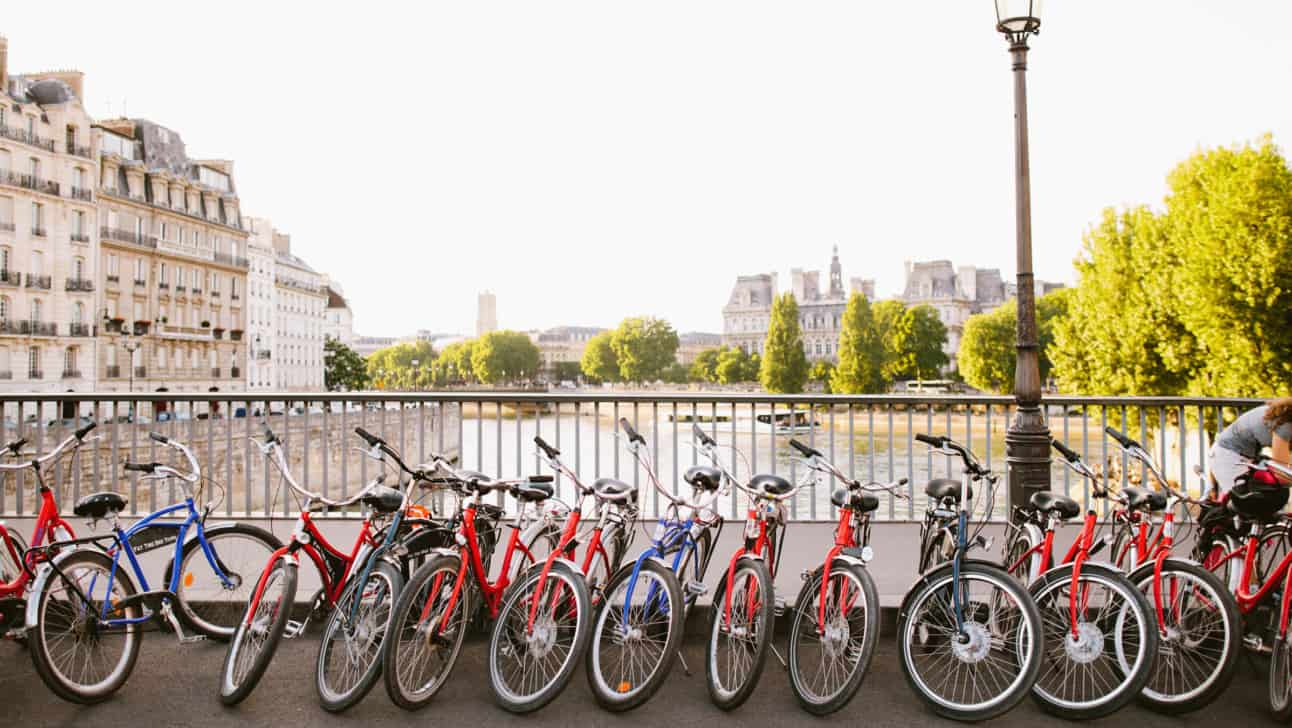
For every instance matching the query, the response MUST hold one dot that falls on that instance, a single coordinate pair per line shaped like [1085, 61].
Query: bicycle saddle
[940, 488]
[1145, 498]
[615, 491]
[704, 477]
[532, 491]
[1045, 502]
[98, 505]
[858, 500]
[770, 484]
[383, 499]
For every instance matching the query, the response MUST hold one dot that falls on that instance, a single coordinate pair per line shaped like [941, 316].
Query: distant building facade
[486, 313]
[366, 345]
[690, 344]
[562, 344]
[340, 319]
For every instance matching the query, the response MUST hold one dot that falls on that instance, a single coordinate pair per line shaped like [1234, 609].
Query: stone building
[562, 344]
[287, 315]
[48, 239]
[690, 344]
[340, 319]
[747, 315]
[172, 264]
[486, 313]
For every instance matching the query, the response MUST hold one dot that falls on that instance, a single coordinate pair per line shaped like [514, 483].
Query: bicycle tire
[623, 696]
[232, 689]
[412, 600]
[1093, 635]
[389, 580]
[1280, 680]
[932, 550]
[1218, 678]
[46, 666]
[762, 625]
[913, 632]
[217, 628]
[515, 607]
[804, 611]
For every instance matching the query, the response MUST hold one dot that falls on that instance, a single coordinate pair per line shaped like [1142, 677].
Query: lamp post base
[1027, 454]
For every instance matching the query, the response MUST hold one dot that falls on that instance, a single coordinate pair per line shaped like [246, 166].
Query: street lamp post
[1027, 442]
[414, 363]
[131, 345]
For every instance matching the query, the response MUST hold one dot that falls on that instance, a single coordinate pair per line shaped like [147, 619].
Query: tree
[343, 369]
[822, 371]
[705, 366]
[988, 349]
[598, 362]
[565, 371]
[676, 373]
[861, 351]
[784, 363]
[504, 356]
[735, 366]
[644, 348]
[914, 347]
[453, 365]
[392, 367]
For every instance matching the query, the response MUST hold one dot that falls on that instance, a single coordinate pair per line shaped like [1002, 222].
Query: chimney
[4, 65]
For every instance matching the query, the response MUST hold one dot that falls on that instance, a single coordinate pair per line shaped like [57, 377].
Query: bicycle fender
[38, 585]
[934, 575]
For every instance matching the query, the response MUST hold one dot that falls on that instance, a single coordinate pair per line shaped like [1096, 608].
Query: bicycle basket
[1258, 495]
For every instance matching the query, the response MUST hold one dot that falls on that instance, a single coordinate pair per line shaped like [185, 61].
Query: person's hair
[1278, 412]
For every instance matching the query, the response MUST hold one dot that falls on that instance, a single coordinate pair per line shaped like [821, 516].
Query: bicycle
[836, 615]
[744, 605]
[938, 530]
[86, 596]
[640, 624]
[1198, 619]
[431, 616]
[968, 632]
[1100, 647]
[358, 588]
[20, 561]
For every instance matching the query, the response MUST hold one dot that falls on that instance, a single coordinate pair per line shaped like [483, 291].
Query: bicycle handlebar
[371, 439]
[142, 467]
[633, 435]
[807, 452]
[702, 436]
[548, 450]
[1068, 453]
[1122, 439]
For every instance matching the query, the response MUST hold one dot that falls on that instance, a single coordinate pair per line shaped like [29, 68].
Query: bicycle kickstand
[785, 665]
[184, 639]
[685, 667]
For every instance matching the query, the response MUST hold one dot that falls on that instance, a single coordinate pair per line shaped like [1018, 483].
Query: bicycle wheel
[531, 665]
[349, 660]
[1103, 661]
[985, 670]
[420, 654]
[1280, 684]
[829, 658]
[933, 550]
[1216, 559]
[206, 604]
[253, 645]
[630, 658]
[1274, 543]
[1198, 637]
[1018, 545]
[80, 659]
[738, 645]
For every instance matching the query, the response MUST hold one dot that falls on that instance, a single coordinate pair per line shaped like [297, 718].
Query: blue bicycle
[638, 626]
[86, 613]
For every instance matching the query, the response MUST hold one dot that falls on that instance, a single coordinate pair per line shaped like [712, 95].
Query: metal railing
[79, 329]
[79, 284]
[10, 277]
[128, 236]
[869, 437]
[39, 281]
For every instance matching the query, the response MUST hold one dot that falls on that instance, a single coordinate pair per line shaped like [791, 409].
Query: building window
[37, 310]
[33, 363]
[5, 308]
[113, 268]
[70, 360]
[78, 268]
[5, 254]
[37, 219]
[78, 224]
[33, 168]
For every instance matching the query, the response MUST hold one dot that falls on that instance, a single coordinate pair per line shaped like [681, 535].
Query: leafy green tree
[343, 369]
[566, 371]
[784, 363]
[504, 356]
[735, 366]
[676, 373]
[914, 347]
[988, 350]
[393, 368]
[598, 362]
[644, 347]
[705, 366]
[861, 351]
[822, 371]
[453, 365]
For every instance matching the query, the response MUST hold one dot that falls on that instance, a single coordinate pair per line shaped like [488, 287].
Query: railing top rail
[629, 397]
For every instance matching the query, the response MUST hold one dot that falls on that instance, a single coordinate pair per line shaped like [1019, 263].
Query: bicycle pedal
[1254, 643]
[780, 607]
[188, 639]
[293, 629]
[695, 589]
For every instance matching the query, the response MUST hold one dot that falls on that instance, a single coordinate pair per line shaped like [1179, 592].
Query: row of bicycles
[441, 551]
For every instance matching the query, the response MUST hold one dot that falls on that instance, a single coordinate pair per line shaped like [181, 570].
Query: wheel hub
[835, 637]
[973, 644]
[1086, 646]
[541, 637]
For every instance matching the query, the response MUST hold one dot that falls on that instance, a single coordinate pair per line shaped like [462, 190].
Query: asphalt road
[175, 685]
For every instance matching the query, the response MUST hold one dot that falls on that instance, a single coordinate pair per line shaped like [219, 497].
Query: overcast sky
[593, 160]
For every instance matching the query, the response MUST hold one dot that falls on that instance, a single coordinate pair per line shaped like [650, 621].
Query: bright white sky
[592, 160]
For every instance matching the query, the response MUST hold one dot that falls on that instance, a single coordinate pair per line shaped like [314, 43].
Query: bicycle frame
[844, 538]
[670, 533]
[1077, 555]
[1249, 600]
[758, 544]
[48, 522]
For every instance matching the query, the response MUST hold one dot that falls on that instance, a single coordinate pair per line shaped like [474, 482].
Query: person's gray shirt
[1249, 434]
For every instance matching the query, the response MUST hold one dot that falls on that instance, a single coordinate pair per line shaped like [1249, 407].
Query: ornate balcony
[141, 372]
[84, 285]
[10, 278]
[81, 193]
[38, 328]
[113, 372]
[79, 329]
[22, 135]
[41, 282]
[71, 374]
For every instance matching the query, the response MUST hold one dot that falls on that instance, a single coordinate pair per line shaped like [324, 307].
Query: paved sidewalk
[175, 686]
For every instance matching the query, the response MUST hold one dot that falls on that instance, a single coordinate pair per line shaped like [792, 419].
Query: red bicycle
[836, 615]
[542, 618]
[1100, 646]
[18, 566]
[1197, 618]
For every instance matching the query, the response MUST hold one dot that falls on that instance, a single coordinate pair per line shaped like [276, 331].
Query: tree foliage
[822, 371]
[343, 369]
[988, 348]
[504, 356]
[705, 366]
[861, 351]
[598, 362]
[644, 347]
[784, 364]
[735, 366]
[453, 365]
[392, 367]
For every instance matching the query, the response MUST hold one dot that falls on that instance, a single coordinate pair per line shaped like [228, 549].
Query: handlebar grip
[270, 437]
[370, 438]
[548, 449]
[81, 433]
[157, 436]
[633, 435]
[141, 467]
[702, 436]
[931, 440]
[903, 481]
[16, 445]
[539, 479]
[1120, 437]
[804, 450]
[1068, 453]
